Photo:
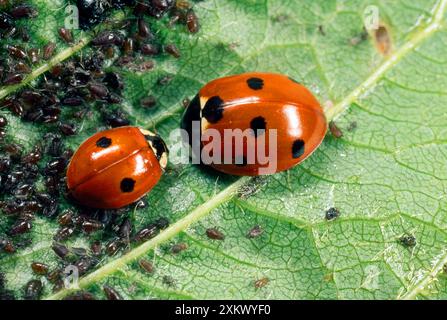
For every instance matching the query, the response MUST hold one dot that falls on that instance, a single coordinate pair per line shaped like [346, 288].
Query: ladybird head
[158, 146]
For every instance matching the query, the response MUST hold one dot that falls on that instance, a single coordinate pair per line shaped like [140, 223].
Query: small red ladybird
[260, 102]
[116, 167]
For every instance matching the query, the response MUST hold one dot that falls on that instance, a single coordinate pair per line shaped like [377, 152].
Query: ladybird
[260, 102]
[116, 167]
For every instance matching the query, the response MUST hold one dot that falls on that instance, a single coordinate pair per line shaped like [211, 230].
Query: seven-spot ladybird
[116, 167]
[261, 102]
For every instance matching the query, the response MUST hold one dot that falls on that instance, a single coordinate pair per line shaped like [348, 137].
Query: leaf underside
[386, 175]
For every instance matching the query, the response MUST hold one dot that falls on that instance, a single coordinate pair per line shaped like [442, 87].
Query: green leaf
[386, 175]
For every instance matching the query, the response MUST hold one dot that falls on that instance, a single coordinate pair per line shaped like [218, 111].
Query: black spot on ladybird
[213, 110]
[127, 185]
[104, 142]
[255, 83]
[297, 148]
[192, 113]
[256, 124]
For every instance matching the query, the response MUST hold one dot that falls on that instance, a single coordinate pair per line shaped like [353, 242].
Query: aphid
[22, 67]
[359, 38]
[3, 122]
[383, 40]
[192, 22]
[5, 164]
[55, 166]
[98, 90]
[158, 8]
[352, 126]
[113, 81]
[20, 227]
[335, 131]
[214, 234]
[89, 226]
[52, 184]
[54, 275]
[96, 248]
[66, 35]
[111, 293]
[6, 21]
[107, 38]
[66, 218]
[14, 150]
[321, 30]
[186, 102]
[63, 233]
[176, 16]
[113, 246]
[33, 55]
[149, 49]
[58, 286]
[117, 119]
[67, 129]
[12, 180]
[39, 268]
[332, 213]
[146, 265]
[261, 283]
[7, 246]
[173, 50]
[125, 229]
[147, 233]
[33, 290]
[182, 4]
[85, 264]
[80, 295]
[144, 66]
[143, 29]
[16, 52]
[2, 137]
[222, 105]
[169, 281]
[13, 78]
[23, 191]
[80, 252]
[54, 147]
[408, 240]
[23, 11]
[165, 80]
[148, 102]
[48, 50]
[128, 46]
[113, 98]
[72, 101]
[179, 247]
[110, 52]
[255, 232]
[61, 250]
[92, 12]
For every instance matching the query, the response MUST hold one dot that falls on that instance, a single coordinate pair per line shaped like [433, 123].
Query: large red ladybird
[116, 167]
[260, 102]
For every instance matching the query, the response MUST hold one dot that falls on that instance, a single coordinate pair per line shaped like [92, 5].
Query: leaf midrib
[228, 193]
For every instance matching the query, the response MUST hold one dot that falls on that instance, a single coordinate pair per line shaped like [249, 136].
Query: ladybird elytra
[261, 102]
[116, 167]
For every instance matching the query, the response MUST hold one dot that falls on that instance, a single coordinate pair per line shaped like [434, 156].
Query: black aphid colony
[58, 102]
